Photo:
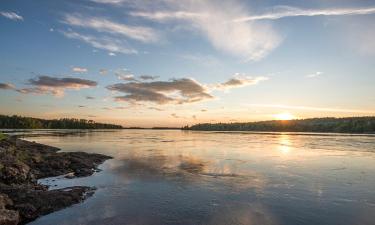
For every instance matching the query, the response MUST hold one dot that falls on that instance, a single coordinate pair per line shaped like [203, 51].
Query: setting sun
[284, 116]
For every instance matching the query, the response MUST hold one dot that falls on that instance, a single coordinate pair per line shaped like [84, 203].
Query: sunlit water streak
[182, 177]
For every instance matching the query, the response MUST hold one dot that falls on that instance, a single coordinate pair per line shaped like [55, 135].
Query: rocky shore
[22, 163]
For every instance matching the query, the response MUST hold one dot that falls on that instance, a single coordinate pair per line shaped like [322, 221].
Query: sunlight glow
[284, 116]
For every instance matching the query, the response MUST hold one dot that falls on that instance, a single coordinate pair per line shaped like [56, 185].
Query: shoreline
[22, 163]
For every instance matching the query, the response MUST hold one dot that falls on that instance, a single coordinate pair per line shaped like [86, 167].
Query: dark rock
[23, 162]
[7, 216]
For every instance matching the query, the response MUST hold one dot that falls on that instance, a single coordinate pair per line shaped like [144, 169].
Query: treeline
[336, 125]
[19, 122]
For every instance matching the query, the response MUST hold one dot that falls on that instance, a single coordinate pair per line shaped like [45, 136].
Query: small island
[22, 163]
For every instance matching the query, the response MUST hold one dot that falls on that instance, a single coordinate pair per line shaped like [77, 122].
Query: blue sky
[171, 63]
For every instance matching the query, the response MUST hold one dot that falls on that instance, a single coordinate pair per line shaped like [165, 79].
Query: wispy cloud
[7, 86]
[103, 42]
[249, 41]
[11, 15]
[288, 11]
[310, 108]
[79, 69]
[139, 33]
[240, 80]
[55, 86]
[155, 108]
[313, 75]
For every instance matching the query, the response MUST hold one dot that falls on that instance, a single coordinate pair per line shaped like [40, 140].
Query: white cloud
[11, 15]
[105, 43]
[313, 75]
[288, 11]
[139, 33]
[124, 74]
[79, 70]
[250, 41]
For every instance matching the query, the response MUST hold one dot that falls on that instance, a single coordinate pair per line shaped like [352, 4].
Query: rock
[22, 199]
[15, 172]
[7, 217]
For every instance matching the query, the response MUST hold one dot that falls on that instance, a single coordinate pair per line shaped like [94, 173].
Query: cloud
[73, 83]
[139, 33]
[177, 91]
[102, 42]
[7, 86]
[288, 11]
[42, 91]
[249, 41]
[124, 74]
[155, 108]
[79, 70]
[55, 86]
[11, 15]
[313, 75]
[240, 81]
[148, 77]
[174, 115]
[103, 72]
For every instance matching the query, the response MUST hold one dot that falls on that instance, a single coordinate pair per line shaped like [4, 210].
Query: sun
[284, 116]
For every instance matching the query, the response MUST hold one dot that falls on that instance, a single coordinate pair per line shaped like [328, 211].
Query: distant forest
[336, 125]
[19, 122]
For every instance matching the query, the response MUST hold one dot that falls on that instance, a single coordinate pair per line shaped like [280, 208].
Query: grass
[2, 136]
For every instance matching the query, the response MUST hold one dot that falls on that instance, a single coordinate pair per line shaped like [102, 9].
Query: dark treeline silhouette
[329, 124]
[19, 122]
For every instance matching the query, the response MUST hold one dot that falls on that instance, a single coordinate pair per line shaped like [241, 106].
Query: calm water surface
[182, 177]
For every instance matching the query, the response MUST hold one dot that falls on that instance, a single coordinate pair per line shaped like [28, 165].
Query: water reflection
[173, 177]
[284, 143]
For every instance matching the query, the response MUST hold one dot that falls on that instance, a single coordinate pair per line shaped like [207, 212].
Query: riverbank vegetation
[329, 124]
[19, 122]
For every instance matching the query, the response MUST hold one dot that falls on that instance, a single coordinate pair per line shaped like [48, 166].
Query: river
[191, 177]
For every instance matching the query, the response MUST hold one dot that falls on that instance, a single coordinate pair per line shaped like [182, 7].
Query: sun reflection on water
[284, 144]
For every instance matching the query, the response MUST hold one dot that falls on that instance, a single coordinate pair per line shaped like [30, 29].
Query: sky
[175, 63]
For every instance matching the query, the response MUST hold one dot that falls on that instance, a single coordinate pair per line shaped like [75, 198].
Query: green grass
[2, 136]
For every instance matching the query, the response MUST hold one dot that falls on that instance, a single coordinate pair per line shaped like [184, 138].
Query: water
[181, 177]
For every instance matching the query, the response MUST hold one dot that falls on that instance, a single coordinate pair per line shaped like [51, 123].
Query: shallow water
[184, 177]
